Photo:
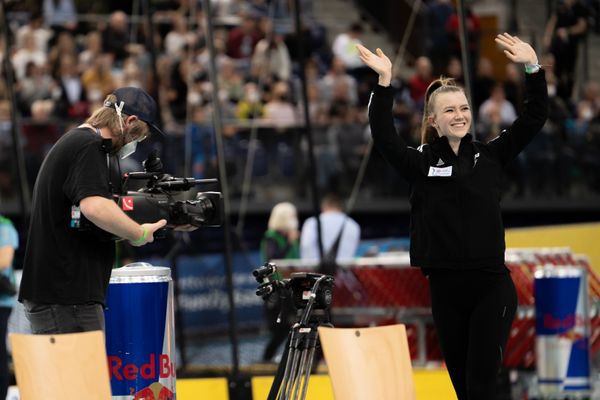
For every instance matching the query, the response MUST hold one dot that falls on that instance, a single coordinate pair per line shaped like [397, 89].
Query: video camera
[156, 200]
[301, 286]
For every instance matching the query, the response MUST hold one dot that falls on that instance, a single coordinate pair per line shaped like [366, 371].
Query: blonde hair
[283, 217]
[440, 85]
[107, 117]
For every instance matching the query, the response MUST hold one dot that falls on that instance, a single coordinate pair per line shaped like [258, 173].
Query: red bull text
[140, 338]
[562, 342]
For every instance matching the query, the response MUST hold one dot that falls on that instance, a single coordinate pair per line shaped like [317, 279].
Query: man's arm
[107, 215]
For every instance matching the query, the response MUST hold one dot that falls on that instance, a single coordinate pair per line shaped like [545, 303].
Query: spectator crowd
[64, 67]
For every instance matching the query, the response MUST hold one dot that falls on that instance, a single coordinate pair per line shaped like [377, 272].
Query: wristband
[532, 68]
[142, 238]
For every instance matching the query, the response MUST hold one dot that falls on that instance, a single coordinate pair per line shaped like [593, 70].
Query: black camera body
[157, 201]
[301, 286]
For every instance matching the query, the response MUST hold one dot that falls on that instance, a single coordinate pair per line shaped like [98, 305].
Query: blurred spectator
[220, 44]
[93, 48]
[231, 83]
[250, 106]
[65, 46]
[344, 46]
[116, 38]
[225, 8]
[420, 80]
[98, 80]
[437, 47]
[35, 27]
[280, 241]
[36, 85]
[179, 37]
[132, 74]
[334, 223]
[565, 28]
[242, 39]
[60, 15]
[338, 82]
[591, 93]
[495, 114]
[271, 55]
[279, 111]
[72, 102]
[26, 54]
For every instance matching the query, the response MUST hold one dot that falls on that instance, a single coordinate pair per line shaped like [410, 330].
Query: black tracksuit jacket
[456, 220]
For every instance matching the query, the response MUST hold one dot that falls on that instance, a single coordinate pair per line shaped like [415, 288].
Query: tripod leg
[283, 388]
[312, 345]
[311, 355]
[300, 373]
[293, 374]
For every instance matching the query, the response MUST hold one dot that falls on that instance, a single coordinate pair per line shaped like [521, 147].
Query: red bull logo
[164, 368]
[571, 320]
[156, 391]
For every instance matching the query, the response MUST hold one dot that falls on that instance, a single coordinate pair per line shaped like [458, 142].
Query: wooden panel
[369, 363]
[61, 367]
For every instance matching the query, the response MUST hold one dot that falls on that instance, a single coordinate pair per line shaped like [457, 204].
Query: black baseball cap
[137, 102]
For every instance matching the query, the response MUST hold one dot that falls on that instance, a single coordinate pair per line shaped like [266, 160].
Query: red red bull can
[140, 334]
[562, 325]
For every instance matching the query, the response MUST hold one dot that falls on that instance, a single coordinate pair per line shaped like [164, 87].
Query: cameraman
[66, 270]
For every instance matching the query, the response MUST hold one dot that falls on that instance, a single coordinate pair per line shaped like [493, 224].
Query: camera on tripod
[300, 287]
[311, 295]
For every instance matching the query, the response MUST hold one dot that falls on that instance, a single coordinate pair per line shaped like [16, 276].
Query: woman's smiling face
[451, 115]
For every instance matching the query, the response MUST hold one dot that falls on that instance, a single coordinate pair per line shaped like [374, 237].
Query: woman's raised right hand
[378, 62]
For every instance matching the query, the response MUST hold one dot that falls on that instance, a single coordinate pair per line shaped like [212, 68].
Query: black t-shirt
[65, 265]
[567, 17]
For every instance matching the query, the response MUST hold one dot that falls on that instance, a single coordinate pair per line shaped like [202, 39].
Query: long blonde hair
[107, 117]
[283, 217]
[440, 85]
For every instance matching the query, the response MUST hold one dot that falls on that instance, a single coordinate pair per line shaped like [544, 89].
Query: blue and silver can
[140, 334]
[562, 325]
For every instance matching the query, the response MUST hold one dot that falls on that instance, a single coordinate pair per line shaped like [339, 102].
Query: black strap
[332, 253]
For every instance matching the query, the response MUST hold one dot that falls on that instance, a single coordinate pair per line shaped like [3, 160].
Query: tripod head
[304, 287]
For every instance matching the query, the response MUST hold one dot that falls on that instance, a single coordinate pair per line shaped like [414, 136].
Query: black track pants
[473, 312]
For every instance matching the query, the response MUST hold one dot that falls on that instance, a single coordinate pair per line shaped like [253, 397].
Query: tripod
[293, 372]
